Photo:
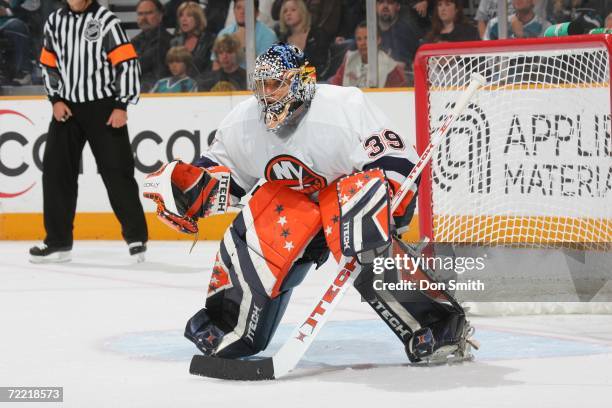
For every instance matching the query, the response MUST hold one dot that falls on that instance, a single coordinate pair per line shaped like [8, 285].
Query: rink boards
[162, 127]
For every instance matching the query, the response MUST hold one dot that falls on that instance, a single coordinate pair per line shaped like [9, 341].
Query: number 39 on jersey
[378, 143]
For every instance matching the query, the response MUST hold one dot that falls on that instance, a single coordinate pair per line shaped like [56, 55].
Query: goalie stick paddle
[290, 353]
[232, 369]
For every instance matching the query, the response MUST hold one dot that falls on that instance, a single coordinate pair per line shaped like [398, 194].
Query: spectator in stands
[449, 24]
[152, 43]
[179, 60]
[398, 39]
[17, 34]
[354, 69]
[31, 13]
[563, 11]
[325, 15]
[522, 24]
[353, 12]
[170, 12]
[487, 10]
[215, 10]
[230, 76]
[193, 35]
[609, 22]
[264, 36]
[295, 28]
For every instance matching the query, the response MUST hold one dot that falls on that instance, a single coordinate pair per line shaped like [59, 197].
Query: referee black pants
[61, 162]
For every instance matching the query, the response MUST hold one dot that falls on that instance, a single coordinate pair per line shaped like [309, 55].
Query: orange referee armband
[48, 58]
[122, 53]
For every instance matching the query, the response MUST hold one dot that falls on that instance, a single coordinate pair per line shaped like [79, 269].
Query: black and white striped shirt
[87, 57]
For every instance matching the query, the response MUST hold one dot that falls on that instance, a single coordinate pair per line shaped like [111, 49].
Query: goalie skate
[426, 348]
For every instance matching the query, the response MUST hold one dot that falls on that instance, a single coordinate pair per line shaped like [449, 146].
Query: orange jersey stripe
[48, 58]
[122, 53]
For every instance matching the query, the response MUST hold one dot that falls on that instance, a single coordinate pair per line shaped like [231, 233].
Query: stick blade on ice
[232, 369]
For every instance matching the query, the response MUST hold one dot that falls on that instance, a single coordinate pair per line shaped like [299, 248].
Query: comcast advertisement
[178, 129]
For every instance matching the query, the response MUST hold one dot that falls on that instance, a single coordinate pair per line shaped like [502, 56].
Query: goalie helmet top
[284, 84]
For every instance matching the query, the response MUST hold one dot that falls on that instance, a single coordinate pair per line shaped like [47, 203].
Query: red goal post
[530, 163]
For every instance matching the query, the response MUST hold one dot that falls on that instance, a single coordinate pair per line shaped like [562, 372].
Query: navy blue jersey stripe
[389, 163]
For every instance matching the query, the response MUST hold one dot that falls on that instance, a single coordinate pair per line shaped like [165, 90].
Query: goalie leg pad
[430, 324]
[214, 335]
[277, 226]
[255, 271]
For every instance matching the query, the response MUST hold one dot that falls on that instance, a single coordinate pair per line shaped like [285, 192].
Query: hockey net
[529, 162]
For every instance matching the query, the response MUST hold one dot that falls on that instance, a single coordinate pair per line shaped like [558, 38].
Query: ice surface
[110, 332]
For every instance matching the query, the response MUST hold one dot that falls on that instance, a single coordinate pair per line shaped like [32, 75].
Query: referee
[91, 73]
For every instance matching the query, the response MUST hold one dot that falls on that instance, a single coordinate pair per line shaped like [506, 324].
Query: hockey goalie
[327, 159]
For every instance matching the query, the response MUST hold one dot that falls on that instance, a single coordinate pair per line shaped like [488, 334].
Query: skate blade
[139, 258]
[57, 257]
[445, 358]
[451, 354]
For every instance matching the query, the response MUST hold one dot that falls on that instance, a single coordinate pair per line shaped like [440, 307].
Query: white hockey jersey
[341, 133]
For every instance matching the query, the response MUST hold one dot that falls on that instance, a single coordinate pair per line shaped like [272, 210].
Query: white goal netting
[526, 168]
[529, 163]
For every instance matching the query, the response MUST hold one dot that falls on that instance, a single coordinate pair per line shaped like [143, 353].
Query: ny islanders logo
[294, 174]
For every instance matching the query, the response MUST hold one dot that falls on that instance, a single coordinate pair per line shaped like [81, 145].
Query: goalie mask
[284, 85]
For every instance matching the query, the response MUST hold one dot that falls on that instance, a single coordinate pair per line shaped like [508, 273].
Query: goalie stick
[290, 353]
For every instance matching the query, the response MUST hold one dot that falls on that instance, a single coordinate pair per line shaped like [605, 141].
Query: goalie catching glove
[183, 193]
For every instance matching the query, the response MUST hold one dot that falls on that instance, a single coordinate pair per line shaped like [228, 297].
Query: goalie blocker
[276, 239]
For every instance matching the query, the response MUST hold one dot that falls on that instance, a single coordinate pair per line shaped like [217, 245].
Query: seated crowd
[190, 46]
